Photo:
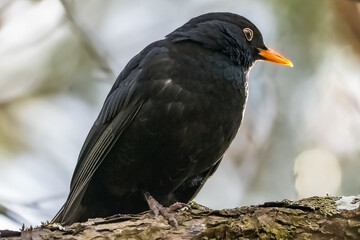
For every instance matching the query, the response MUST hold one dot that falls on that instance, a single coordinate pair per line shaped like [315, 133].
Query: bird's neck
[241, 57]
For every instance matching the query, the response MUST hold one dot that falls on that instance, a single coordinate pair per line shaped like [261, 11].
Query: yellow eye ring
[249, 34]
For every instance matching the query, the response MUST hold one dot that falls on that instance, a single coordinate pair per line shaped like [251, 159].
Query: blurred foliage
[11, 143]
[307, 25]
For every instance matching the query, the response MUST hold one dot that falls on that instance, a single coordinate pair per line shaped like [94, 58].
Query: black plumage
[168, 119]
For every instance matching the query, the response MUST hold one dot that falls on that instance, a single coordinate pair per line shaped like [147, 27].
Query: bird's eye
[249, 34]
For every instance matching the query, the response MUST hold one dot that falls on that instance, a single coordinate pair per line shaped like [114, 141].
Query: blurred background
[58, 60]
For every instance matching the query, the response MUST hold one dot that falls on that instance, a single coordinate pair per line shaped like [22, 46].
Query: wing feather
[93, 161]
[121, 106]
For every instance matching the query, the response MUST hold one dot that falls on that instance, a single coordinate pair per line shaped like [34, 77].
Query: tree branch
[312, 218]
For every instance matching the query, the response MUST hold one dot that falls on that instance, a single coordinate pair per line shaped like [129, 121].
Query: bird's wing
[120, 108]
[98, 143]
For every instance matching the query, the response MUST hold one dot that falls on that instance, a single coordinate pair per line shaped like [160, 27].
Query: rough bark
[311, 218]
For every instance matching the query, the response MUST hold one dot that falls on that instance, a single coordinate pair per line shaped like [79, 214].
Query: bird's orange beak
[273, 56]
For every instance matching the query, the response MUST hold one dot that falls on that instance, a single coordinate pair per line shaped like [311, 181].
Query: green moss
[325, 205]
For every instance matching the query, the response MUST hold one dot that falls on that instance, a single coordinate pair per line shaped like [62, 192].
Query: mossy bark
[312, 218]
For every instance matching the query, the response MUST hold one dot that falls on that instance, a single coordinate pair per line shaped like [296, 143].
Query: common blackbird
[168, 119]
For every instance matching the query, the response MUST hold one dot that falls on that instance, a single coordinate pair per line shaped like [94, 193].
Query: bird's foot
[166, 212]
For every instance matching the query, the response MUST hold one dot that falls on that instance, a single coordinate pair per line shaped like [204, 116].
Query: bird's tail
[59, 216]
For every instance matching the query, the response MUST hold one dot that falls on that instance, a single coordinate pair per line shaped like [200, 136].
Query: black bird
[168, 119]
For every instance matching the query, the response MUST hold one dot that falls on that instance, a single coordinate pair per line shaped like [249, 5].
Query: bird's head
[230, 33]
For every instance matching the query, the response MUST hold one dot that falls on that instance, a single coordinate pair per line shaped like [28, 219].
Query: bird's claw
[166, 212]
